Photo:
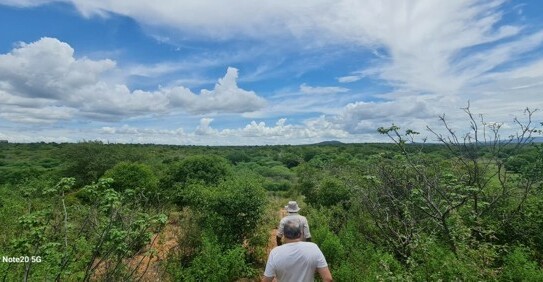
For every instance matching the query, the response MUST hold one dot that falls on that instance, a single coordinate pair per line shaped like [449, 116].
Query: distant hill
[331, 142]
[536, 140]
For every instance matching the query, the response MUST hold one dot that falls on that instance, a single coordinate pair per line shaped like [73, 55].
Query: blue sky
[254, 73]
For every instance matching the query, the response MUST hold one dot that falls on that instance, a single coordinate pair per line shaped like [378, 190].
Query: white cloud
[129, 130]
[366, 117]
[421, 39]
[44, 81]
[47, 69]
[280, 133]
[306, 89]
[24, 3]
[365, 22]
[349, 78]
[204, 128]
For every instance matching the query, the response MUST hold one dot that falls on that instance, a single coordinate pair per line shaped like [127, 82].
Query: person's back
[292, 208]
[295, 261]
[300, 218]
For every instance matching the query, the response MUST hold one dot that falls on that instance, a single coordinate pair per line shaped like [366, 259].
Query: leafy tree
[238, 156]
[332, 192]
[210, 170]
[87, 161]
[134, 179]
[290, 160]
[232, 209]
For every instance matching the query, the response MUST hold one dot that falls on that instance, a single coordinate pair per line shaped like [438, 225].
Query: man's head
[292, 230]
[292, 207]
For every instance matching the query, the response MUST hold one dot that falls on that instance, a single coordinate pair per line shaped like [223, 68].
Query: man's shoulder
[299, 245]
[309, 245]
[308, 249]
[293, 215]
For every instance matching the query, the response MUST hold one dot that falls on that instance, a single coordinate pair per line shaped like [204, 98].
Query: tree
[87, 161]
[474, 183]
[210, 170]
[134, 179]
[232, 209]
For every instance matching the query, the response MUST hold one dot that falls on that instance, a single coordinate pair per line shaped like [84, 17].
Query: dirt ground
[272, 243]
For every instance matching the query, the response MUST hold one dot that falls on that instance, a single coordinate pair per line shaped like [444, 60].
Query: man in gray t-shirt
[292, 209]
[296, 261]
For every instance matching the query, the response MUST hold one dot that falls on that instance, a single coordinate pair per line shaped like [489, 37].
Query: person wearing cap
[296, 260]
[293, 209]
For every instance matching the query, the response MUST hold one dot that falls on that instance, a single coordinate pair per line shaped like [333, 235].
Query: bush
[238, 157]
[132, 176]
[282, 185]
[333, 192]
[290, 160]
[437, 263]
[519, 267]
[88, 161]
[214, 263]
[210, 170]
[232, 209]
[134, 180]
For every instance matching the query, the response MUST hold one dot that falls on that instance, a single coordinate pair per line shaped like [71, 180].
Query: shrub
[332, 192]
[134, 176]
[134, 180]
[210, 170]
[214, 263]
[519, 267]
[232, 209]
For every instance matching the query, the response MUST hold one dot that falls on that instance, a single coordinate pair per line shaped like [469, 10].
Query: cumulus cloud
[225, 97]
[366, 117]
[204, 128]
[281, 132]
[43, 82]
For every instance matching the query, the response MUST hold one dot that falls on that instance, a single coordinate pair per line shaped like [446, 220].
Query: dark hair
[292, 229]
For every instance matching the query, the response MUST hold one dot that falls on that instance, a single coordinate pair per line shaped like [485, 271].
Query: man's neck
[287, 240]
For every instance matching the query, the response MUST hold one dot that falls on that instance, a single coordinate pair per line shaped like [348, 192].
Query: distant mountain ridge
[336, 142]
[330, 142]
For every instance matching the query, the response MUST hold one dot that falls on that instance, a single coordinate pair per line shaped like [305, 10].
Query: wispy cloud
[321, 90]
[349, 78]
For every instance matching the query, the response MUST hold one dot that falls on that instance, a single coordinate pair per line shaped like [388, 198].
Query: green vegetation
[469, 208]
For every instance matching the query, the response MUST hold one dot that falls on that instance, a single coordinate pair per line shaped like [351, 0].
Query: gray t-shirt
[295, 262]
[294, 216]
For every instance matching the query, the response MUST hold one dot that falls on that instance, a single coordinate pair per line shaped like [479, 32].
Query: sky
[204, 72]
